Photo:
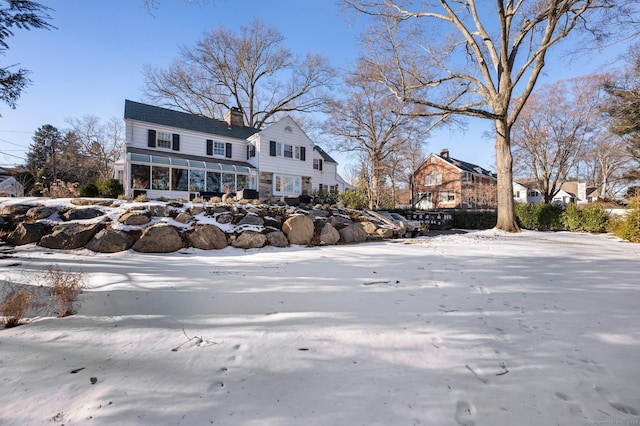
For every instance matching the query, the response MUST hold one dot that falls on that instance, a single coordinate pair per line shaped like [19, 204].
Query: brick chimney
[444, 153]
[234, 118]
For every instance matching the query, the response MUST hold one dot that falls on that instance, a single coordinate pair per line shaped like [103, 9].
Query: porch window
[179, 179]
[213, 181]
[160, 178]
[196, 180]
[140, 176]
[287, 185]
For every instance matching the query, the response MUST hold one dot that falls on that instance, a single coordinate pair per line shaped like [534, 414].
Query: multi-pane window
[317, 164]
[160, 178]
[287, 185]
[433, 179]
[164, 140]
[218, 148]
[447, 196]
[288, 151]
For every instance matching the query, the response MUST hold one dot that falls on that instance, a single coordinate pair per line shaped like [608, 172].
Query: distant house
[524, 191]
[572, 192]
[173, 154]
[445, 182]
[10, 187]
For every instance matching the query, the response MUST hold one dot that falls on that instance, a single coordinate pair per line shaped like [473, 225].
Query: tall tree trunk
[506, 213]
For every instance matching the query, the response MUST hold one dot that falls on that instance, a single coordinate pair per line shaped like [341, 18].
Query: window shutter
[272, 148]
[248, 151]
[320, 165]
[227, 150]
[303, 153]
[176, 142]
[151, 142]
[209, 147]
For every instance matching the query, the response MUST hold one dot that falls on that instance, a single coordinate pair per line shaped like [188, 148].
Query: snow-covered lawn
[485, 328]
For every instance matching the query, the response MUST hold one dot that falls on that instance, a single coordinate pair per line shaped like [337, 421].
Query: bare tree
[477, 59]
[251, 70]
[554, 128]
[607, 163]
[100, 143]
[623, 108]
[371, 121]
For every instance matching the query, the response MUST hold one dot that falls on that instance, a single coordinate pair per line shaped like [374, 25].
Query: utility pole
[51, 144]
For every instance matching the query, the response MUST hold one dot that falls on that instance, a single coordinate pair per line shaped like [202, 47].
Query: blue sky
[93, 61]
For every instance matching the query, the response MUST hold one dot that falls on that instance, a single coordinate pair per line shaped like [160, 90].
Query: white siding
[191, 143]
[283, 165]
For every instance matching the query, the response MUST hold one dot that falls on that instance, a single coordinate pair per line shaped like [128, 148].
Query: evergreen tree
[22, 14]
[39, 158]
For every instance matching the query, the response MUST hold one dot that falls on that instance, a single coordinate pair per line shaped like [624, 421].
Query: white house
[10, 187]
[173, 154]
[525, 191]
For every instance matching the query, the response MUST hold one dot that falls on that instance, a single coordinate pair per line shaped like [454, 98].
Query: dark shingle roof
[326, 157]
[182, 120]
[468, 167]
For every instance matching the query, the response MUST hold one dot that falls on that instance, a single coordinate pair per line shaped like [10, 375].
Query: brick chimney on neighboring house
[234, 118]
[444, 153]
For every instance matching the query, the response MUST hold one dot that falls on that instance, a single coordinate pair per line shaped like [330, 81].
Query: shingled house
[175, 155]
[445, 182]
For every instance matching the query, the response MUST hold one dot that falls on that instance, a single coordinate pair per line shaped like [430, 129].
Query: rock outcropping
[110, 226]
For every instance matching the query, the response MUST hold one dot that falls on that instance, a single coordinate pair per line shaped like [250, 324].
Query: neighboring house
[173, 154]
[524, 191]
[572, 192]
[576, 192]
[10, 187]
[445, 182]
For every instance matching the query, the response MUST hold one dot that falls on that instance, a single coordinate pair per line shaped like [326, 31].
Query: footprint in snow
[465, 414]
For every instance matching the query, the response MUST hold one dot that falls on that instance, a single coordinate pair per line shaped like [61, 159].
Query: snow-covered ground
[485, 328]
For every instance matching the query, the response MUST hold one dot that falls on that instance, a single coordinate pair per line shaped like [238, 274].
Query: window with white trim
[286, 185]
[163, 140]
[447, 196]
[433, 179]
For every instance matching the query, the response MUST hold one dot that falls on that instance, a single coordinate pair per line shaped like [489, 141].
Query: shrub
[15, 304]
[355, 199]
[539, 217]
[475, 219]
[572, 218]
[89, 190]
[628, 227]
[64, 289]
[324, 197]
[594, 218]
[142, 198]
[110, 188]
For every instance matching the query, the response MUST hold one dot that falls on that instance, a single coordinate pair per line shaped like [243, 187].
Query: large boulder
[278, 239]
[70, 236]
[14, 212]
[40, 212]
[369, 227]
[26, 233]
[184, 217]
[159, 210]
[299, 229]
[329, 235]
[110, 241]
[353, 233]
[251, 220]
[159, 239]
[81, 214]
[250, 239]
[207, 237]
[135, 218]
